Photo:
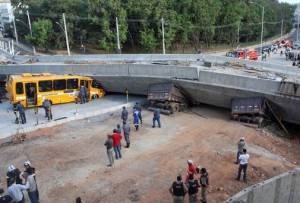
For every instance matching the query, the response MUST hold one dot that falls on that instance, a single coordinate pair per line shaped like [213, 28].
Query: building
[6, 12]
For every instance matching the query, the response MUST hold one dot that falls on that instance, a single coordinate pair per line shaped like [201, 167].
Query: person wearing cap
[15, 191]
[46, 105]
[138, 107]
[178, 190]
[13, 173]
[109, 150]
[241, 145]
[124, 114]
[4, 198]
[32, 187]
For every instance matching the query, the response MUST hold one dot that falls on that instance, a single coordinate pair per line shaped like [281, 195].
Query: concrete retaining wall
[284, 188]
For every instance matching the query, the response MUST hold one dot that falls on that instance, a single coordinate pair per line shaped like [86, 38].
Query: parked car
[296, 46]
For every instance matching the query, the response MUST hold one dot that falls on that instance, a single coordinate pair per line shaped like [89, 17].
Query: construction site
[70, 157]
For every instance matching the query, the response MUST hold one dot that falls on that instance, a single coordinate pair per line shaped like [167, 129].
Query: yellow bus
[31, 89]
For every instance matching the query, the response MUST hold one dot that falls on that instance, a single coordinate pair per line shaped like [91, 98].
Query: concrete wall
[150, 58]
[284, 188]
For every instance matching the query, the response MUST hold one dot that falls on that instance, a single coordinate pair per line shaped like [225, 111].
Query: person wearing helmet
[241, 145]
[191, 170]
[31, 171]
[13, 173]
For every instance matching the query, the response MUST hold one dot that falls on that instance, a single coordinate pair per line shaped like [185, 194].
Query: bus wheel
[95, 96]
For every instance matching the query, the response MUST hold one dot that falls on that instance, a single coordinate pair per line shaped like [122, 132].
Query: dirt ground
[71, 160]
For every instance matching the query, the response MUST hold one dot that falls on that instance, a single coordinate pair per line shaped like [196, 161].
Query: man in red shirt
[117, 144]
[191, 170]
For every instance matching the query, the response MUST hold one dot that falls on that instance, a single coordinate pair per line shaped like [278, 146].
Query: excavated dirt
[71, 160]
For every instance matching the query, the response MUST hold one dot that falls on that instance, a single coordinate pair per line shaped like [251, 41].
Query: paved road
[108, 106]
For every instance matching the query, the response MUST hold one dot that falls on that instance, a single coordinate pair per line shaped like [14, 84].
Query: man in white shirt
[15, 191]
[243, 161]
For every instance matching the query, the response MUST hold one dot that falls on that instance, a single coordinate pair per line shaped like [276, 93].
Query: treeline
[186, 23]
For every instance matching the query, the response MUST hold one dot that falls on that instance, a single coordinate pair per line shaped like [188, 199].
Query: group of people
[113, 142]
[190, 185]
[19, 111]
[18, 181]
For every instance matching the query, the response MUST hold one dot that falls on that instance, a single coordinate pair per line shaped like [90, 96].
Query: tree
[42, 33]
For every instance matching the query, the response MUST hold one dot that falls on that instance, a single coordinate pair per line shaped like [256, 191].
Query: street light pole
[16, 34]
[118, 38]
[262, 27]
[163, 34]
[65, 31]
[29, 23]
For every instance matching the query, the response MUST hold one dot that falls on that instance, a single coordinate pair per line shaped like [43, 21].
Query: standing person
[109, 150]
[13, 173]
[119, 130]
[124, 114]
[191, 170]
[243, 160]
[126, 131]
[32, 188]
[4, 198]
[17, 113]
[31, 171]
[46, 105]
[82, 94]
[178, 190]
[136, 118]
[21, 109]
[139, 108]
[15, 191]
[204, 184]
[241, 145]
[156, 117]
[86, 94]
[193, 186]
[116, 144]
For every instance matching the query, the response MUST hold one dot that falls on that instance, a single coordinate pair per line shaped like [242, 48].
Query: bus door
[86, 83]
[31, 94]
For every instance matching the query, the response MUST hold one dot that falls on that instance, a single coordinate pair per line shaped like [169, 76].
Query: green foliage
[42, 33]
[187, 22]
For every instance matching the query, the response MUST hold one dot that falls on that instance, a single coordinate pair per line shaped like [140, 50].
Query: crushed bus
[30, 89]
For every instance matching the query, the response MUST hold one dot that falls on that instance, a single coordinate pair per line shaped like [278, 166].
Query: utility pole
[66, 33]
[238, 33]
[29, 23]
[163, 35]
[262, 28]
[298, 29]
[118, 38]
[281, 28]
[16, 34]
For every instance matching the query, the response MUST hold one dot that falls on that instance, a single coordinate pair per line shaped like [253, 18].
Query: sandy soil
[71, 159]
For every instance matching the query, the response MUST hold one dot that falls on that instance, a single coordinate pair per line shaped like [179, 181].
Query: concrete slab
[62, 113]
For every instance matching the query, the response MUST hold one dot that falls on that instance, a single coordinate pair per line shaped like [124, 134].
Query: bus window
[45, 86]
[19, 88]
[72, 83]
[59, 85]
[95, 84]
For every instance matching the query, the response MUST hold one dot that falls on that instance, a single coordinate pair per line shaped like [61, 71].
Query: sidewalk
[109, 105]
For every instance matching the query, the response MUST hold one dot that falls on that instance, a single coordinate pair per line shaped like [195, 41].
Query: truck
[251, 110]
[167, 97]
[243, 54]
